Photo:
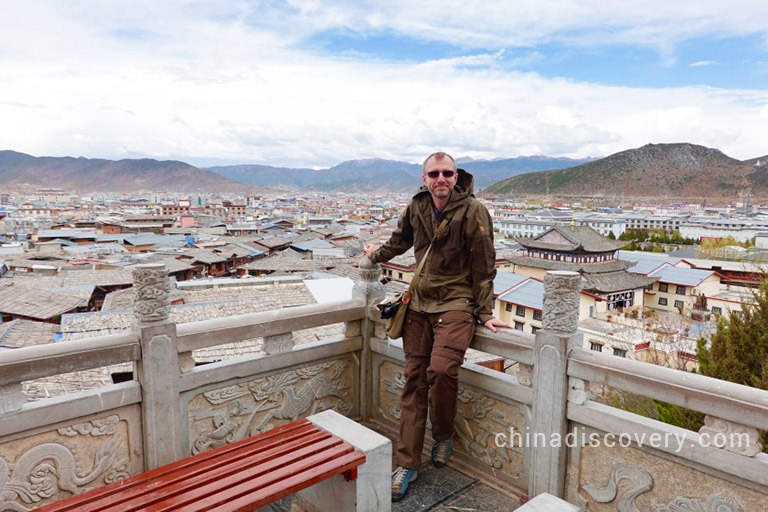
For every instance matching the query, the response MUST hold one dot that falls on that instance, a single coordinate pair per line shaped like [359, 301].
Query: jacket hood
[463, 189]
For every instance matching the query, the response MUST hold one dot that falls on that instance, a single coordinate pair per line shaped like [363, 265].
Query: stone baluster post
[559, 334]
[158, 369]
[372, 292]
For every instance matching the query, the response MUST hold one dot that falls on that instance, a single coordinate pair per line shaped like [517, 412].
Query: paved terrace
[614, 460]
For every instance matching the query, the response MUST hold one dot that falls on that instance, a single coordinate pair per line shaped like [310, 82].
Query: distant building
[519, 301]
[667, 224]
[582, 249]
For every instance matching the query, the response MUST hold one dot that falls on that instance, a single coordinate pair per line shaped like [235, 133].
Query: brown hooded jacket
[459, 273]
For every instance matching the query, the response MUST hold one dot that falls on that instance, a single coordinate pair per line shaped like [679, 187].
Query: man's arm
[400, 241]
[483, 261]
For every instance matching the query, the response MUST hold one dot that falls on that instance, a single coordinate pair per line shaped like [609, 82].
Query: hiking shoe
[441, 453]
[401, 477]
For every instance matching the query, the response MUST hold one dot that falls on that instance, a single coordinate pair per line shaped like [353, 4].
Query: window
[536, 314]
[597, 347]
[534, 330]
[680, 290]
[663, 287]
[518, 326]
[717, 310]
[520, 311]
[679, 304]
[399, 275]
[662, 301]
[619, 352]
[508, 306]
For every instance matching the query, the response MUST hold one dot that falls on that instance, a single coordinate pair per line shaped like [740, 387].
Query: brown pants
[434, 346]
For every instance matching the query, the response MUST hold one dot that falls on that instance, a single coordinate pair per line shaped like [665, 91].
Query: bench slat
[210, 471]
[292, 484]
[201, 497]
[253, 470]
[252, 491]
[247, 475]
[267, 440]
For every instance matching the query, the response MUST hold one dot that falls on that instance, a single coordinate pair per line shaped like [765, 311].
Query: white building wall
[699, 231]
[522, 227]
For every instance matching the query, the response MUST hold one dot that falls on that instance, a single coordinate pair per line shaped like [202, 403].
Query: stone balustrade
[535, 433]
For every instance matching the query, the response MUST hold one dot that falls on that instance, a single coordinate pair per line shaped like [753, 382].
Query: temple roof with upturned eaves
[596, 267]
[575, 239]
[611, 282]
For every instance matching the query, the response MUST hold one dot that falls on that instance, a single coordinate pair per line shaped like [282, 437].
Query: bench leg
[350, 474]
[365, 488]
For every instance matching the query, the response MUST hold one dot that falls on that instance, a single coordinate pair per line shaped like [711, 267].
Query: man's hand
[495, 322]
[369, 249]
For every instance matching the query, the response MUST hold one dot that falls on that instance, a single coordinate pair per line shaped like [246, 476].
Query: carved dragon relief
[719, 502]
[641, 482]
[477, 445]
[48, 468]
[152, 290]
[249, 408]
[477, 416]
[394, 387]
[101, 427]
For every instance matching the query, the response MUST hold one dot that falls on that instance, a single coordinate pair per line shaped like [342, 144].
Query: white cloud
[702, 63]
[467, 60]
[201, 81]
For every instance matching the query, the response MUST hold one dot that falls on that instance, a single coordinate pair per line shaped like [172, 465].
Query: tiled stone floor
[440, 490]
[448, 490]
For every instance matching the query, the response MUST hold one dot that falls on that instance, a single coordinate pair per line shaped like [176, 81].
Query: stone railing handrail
[727, 400]
[208, 333]
[40, 361]
[507, 343]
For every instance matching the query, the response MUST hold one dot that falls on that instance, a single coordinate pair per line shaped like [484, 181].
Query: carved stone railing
[550, 400]
[55, 447]
[718, 468]
[175, 408]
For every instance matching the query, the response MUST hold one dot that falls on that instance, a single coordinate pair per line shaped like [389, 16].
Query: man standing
[453, 293]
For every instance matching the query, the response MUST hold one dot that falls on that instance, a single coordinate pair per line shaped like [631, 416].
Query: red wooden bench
[240, 477]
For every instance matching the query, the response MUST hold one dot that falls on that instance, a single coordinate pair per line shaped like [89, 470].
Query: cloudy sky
[313, 83]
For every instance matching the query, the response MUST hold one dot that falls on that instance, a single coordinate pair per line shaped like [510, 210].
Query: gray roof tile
[35, 303]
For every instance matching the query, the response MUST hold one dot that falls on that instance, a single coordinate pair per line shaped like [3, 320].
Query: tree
[737, 352]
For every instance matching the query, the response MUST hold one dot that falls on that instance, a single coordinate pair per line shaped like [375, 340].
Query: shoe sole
[397, 496]
[439, 464]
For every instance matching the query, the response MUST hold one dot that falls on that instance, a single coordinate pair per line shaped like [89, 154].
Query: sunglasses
[446, 174]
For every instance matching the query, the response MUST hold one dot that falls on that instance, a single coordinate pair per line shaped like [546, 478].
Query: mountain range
[654, 170]
[19, 170]
[380, 176]
[22, 171]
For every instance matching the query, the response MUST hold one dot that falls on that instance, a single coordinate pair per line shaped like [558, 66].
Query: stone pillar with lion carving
[158, 369]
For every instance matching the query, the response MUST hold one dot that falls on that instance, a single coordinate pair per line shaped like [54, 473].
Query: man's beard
[441, 192]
